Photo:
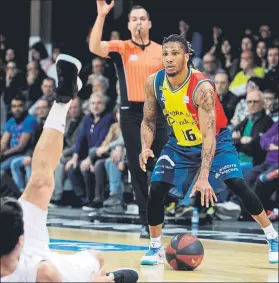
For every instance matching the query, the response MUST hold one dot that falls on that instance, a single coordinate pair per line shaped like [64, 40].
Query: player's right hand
[143, 157]
[207, 193]
[104, 8]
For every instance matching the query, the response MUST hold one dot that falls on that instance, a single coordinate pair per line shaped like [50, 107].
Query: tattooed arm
[148, 125]
[205, 100]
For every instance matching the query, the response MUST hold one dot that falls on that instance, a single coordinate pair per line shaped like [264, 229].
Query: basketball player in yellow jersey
[200, 155]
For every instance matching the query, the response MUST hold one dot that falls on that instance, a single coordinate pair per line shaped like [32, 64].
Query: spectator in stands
[249, 69]
[96, 83]
[18, 133]
[227, 99]
[261, 52]
[184, 28]
[271, 103]
[40, 55]
[196, 40]
[272, 70]
[94, 129]
[24, 161]
[269, 143]
[48, 87]
[247, 43]
[210, 65]
[51, 72]
[115, 35]
[34, 76]
[10, 55]
[98, 66]
[265, 34]
[217, 34]
[96, 69]
[99, 155]
[99, 83]
[247, 137]
[14, 83]
[71, 131]
[265, 186]
[247, 133]
[228, 60]
[241, 110]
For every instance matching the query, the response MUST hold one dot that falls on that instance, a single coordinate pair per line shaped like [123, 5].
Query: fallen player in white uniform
[24, 251]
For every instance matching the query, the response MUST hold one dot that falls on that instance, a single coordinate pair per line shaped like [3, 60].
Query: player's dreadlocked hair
[184, 43]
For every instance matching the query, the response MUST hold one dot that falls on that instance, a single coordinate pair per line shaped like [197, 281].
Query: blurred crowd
[93, 172]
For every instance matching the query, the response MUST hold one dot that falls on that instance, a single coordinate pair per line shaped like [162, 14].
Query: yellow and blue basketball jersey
[180, 110]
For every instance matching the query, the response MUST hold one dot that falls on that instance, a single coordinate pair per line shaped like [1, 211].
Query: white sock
[270, 232]
[155, 242]
[56, 118]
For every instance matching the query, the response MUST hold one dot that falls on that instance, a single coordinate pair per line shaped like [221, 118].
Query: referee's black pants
[130, 125]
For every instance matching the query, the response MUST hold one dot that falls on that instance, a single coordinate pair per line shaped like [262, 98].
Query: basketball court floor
[233, 251]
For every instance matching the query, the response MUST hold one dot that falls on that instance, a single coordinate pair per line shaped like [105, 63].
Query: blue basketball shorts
[179, 166]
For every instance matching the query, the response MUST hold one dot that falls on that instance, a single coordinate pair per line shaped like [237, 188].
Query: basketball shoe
[273, 250]
[124, 275]
[69, 83]
[153, 256]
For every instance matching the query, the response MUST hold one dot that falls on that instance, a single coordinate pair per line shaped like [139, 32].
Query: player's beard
[173, 74]
[176, 72]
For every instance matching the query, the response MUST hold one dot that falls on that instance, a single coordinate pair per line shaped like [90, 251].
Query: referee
[140, 58]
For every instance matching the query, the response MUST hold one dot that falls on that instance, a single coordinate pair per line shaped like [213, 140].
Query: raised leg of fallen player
[48, 152]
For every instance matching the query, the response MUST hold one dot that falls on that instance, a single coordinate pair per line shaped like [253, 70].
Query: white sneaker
[154, 256]
[273, 250]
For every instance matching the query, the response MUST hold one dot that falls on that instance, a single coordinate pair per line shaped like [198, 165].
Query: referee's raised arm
[97, 46]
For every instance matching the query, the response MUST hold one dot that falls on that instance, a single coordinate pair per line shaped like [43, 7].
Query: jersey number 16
[189, 136]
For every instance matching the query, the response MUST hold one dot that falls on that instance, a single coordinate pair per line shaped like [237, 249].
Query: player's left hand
[207, 193]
